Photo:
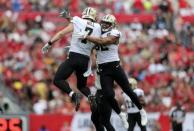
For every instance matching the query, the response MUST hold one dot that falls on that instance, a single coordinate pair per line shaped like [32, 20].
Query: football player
[79, 53]
[102, 113]
[109, 66]
[132, 110]
[177, 117]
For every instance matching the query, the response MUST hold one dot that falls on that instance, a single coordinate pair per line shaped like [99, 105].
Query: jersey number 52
[101, 48]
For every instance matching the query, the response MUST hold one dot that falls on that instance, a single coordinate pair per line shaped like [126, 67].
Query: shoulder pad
[115, 32]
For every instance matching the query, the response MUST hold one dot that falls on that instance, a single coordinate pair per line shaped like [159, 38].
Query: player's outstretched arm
[62, 33]
[57, 36]
[102, 41]
[97, 40]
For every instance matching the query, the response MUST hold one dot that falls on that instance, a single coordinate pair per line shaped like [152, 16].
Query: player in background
[132, 110]
[79, 53]
[109, 66]
[102, 113]
[177, 117]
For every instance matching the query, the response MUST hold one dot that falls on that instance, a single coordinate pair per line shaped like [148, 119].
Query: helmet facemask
[108, 22]
[106, 26]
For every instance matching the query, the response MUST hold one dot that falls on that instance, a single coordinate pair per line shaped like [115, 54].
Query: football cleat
[76, 97]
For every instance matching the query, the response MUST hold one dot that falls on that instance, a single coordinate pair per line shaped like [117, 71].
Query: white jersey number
[84, 41]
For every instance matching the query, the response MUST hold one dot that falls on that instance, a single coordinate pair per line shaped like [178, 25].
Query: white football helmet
[133, 83]
[89, 13]
[108, 22]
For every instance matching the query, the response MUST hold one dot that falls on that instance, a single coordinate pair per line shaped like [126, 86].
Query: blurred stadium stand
[8, 103]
